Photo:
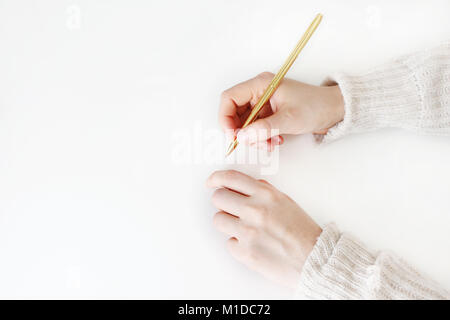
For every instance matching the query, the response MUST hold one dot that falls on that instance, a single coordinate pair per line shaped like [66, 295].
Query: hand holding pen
[294, 108]
[287, 112]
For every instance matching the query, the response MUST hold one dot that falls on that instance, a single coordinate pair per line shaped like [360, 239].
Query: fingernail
[278, 140]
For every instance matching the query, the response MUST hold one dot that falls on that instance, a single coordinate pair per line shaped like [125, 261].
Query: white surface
[91, 203]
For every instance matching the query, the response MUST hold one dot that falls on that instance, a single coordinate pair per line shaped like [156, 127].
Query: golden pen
[278, 77]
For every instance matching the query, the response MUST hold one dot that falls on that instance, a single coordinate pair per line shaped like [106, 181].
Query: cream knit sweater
[412, 92]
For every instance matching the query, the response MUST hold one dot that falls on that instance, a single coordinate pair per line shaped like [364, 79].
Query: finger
[229, 201]
[265, 182]
[277, 140]
[229, 125]
[262, 129]
[226, 223]
[243, 117]
[261, 145]
[239, 95]
[268, 145]
[324, 131]
[274, 142]
[236, 249]
[233, 180]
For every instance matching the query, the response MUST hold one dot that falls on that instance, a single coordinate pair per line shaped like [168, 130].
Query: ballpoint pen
[277, 78]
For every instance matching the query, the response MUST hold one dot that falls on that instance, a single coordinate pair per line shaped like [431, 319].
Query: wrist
[329, 108]
[306, 246]
[336, 110]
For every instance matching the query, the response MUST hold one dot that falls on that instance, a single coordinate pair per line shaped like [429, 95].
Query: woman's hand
[294, 108]
[268, 231]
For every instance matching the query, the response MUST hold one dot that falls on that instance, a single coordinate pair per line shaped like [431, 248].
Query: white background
[92, 204]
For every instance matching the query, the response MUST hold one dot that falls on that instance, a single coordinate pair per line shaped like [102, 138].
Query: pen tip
[232, 146]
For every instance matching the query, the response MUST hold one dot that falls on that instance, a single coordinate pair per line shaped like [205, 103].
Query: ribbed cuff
[387, 96]
[340, 267]
[337, 268]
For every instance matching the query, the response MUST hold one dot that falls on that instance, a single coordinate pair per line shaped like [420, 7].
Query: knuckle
[271, 195]
[265, 75]
[262, 216]
[266, 193]
[230, 174]
[250, 233]
[225, 94]
[290, 114]
[251, 208]
[263, 213]
[259, 213]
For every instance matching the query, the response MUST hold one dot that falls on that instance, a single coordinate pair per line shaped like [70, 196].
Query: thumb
[261, 129]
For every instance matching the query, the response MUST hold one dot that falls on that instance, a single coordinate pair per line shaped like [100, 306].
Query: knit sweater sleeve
[411, 92]
[341, 267]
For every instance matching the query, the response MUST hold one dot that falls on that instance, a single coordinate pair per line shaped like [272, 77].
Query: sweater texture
[412, 93]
